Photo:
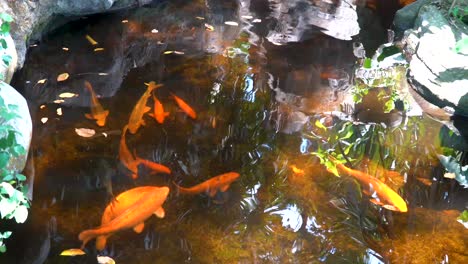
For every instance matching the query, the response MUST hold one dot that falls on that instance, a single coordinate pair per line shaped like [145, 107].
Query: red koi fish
[130, 210]
[381, 194]
[97, 111]
[131, 162]
[159, 113]
[213, 185]
[136, 117]
[185, 107]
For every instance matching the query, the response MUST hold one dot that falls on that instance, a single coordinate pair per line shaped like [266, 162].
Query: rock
[21, 124]
[405, 17]
[34, 18]
[437, 71]
[6, 73]
[295, 18]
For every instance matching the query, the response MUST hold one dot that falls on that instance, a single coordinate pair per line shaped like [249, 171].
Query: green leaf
[463, 216]
[389, 106]
[367, 63]
[2, 248]
[21, 214]
[6, 188]
[320, 125]
[5, 234]
[20, 177]
[5, 27]
[18, 150]
[387, 52]
[6, 59]
[4, 158]
[7, 206]
[6, 17]
[3, 43]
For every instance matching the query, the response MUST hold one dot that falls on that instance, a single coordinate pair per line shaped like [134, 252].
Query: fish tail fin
[87, 235]
[181, 189]
[101, 242]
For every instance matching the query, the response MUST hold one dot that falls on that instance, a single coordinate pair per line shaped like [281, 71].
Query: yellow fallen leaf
[98, 49]
[44, 120]
[449, 175]
[209, 27]
[62, 77]
[67, 95]
[91, 40]
[168, 52]
[42, 81]
[85, 132]
[199, 18]
[42, 106]
[105, 260]
[72, 252]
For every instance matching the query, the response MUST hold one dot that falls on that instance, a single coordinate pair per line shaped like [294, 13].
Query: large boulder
[437, 70]
[33, 18]
[21, 124]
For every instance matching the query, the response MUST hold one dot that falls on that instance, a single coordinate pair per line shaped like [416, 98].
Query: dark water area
[257, 106]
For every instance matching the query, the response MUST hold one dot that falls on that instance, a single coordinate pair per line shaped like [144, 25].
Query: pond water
[284, 208]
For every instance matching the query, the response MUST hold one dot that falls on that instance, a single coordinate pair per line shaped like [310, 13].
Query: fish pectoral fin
[224, 187]
[160, 212]
[166, 114]
[212, 192]
[390, 207]
[147, 109]
[151, 114]
[377, 202]
[89, 116]
[138, 228]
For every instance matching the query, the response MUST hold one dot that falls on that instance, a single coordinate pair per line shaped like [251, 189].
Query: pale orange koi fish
[185, 107]
[159, 113]
[213, 185]
[97, 111]
[381, 194]
[130, 210]
[136, 117]
[131, 162]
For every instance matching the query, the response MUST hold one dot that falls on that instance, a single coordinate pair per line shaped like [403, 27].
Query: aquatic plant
[4, 32]
[13, 201]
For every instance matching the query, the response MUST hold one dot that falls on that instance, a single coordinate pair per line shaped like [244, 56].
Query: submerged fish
[213, 185]
[131, 162]
[185, 107]
[97, 111]
[136, 117]
[381, 194]
[159, 113]
[130, 210]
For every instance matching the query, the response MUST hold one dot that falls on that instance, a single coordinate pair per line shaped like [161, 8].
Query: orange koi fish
[131, 162]
[213, 185]
[136, 117]
[97, 111]
[130, 210]
[381, 194]
[159, 113]
[185, 107]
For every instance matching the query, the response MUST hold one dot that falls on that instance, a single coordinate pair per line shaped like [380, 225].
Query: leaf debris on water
[59, 111]
[105, 260]
[91, 40]
[103, 73]
[65, 48]
[256, 20]
[42, 106]
[85, 132]
[59, 101]
[72, 252]
[67, 95]
[44, 120]
[154, 31]
[125, 21]
[98, 49]
[231, 23]
[62, 77]
[209, 27]
[42, 81]
[200, 18]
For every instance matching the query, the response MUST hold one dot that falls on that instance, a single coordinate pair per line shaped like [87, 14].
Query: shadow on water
[257, 105]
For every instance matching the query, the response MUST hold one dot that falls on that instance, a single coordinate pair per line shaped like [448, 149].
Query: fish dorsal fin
[212, 192]
[224, 187]
[138, 228]
[160, 212]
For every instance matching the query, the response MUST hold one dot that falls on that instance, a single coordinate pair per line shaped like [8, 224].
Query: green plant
[4, 32]
[13, 201]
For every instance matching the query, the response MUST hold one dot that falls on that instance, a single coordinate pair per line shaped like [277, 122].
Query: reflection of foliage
[13, 202]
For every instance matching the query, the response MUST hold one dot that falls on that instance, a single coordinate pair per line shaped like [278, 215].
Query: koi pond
[172, 95]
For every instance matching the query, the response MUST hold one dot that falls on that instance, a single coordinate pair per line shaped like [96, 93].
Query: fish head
[230, 177]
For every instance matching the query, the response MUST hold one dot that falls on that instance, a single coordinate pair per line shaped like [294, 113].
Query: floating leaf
[44, 120]
[42, 106]
[257, 20]
[124, 21]
[91, 40]
[62, 77]
[67, 95]
[98, 49]
[42, 81]
[168, 52]
[231, 23]
[58, 101]
[209, 27]
[105, 260]
[200, 18]
[85, 132]
[72, 252]
[154, 31]
[65, 48]
[59, 111]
